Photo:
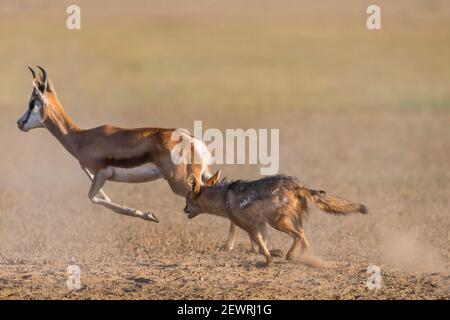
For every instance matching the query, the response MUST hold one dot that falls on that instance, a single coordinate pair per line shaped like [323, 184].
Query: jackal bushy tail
[331, 204]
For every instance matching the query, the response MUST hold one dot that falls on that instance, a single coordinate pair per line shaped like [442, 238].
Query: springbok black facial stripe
[30, 107]
[28, 116]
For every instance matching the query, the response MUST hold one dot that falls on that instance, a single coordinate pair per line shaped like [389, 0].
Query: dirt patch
[362, 114]
[46, 223]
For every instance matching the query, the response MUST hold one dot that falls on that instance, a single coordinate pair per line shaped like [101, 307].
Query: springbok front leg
[229, 244]
[101, 193]
[99, 180]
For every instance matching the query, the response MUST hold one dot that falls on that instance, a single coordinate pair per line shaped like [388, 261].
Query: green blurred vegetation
[215, 54]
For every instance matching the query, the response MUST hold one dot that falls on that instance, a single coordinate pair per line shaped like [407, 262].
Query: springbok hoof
[149, 216]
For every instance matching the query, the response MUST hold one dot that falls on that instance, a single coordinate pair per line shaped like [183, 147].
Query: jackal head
[197, 199]
[35, 114]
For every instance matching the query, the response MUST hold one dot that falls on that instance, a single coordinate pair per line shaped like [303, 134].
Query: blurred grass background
[215, 55]
[310, 68]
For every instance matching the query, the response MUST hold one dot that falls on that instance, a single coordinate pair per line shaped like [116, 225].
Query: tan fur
[282, 204]
[331, 204]
[107, 145]
[101, 149]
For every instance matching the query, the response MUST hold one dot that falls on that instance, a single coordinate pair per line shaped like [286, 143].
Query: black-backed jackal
[277, 200]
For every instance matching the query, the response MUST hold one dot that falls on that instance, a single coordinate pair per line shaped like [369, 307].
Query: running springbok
[109, 153]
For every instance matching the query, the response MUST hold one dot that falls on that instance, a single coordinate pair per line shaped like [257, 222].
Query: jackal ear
[193, 183]
[213, 180]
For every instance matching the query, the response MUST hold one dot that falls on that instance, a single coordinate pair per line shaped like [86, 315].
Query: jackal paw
[289, 257]
[276, 253]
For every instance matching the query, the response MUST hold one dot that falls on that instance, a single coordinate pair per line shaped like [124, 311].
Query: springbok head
[35, 115]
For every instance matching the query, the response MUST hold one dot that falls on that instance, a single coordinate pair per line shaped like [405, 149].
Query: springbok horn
[32, 72]
[44, 75]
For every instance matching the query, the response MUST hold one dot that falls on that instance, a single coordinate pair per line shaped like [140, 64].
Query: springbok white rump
[109, 153]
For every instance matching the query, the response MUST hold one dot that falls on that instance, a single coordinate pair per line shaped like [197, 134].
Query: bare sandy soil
[396, 163]
[362, 114]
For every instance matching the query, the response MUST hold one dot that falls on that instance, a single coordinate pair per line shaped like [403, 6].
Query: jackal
[279, 200]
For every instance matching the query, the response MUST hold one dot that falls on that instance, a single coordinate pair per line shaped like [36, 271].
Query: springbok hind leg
[229, 244]
[97, 183]
[101, 193]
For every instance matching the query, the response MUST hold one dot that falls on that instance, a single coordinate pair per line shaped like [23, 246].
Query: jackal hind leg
[298, 223]
[286, 225]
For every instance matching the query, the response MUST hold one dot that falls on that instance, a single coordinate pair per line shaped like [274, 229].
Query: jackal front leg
[273, 252]
[259, 239]
[99, 180]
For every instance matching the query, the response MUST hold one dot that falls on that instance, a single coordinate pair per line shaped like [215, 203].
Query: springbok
[109, 153]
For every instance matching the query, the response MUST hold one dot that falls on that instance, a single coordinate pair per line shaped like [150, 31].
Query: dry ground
[402, 176]
[362, 115]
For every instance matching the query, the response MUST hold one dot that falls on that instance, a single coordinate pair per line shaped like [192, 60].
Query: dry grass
[361, 114]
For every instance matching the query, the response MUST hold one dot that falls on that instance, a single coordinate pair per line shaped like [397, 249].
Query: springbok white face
[33, 117]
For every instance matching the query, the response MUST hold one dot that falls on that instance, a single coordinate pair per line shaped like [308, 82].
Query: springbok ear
[213, 180]
[193, 183]
[50, 87]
